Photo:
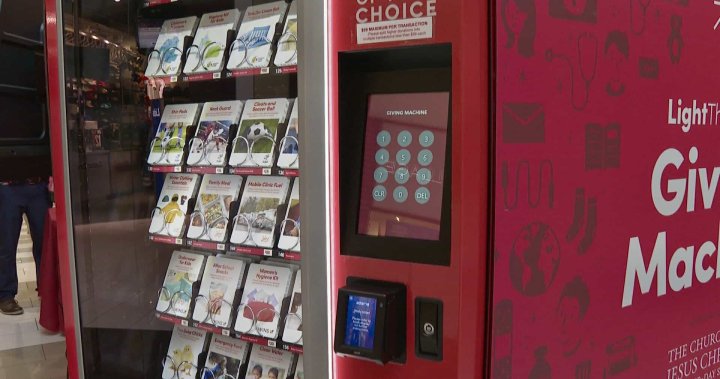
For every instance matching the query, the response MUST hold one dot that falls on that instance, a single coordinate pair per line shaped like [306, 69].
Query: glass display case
[182, 159]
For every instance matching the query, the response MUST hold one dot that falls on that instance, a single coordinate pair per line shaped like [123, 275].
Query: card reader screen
[360, 323]
[403, 165]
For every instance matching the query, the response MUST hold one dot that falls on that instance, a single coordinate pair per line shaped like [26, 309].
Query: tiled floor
[26, 350]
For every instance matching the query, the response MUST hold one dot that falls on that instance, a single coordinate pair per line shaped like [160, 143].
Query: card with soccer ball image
[254, 144]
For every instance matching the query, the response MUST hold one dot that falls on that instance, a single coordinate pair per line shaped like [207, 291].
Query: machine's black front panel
[404, 172]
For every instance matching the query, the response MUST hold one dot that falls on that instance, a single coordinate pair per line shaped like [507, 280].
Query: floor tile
[23, 330]
[21, 356]
[26, 350]
[38, 370]
[26, 272]
[54, 350]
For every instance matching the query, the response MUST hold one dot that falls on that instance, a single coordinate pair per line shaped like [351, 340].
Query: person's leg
[36, 203]
[10, 226]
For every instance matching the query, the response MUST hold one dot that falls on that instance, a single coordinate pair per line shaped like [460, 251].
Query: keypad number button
[403, 157]
[402, 175]
[380, 175]
[400, 194]
[383, 138]
[427, 138]
[404, 139]
[425, 157]
[423, 176]
[382, 156]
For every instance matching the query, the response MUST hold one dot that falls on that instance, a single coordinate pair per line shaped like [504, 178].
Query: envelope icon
[523, 123]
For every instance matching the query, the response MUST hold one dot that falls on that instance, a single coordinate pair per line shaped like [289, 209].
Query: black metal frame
[425, 68]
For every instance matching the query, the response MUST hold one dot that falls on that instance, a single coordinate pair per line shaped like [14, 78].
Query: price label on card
[221, 246]
[226, 332]
[266, 171]
[178, 241]
[267, 252]
[265, 70]
[272, 343]
[184, 323]
[177, 169]
[173, 79]
[219, 170]
[216, 75]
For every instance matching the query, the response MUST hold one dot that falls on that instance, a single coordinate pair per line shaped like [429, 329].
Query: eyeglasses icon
[212, 307]
[197, 58]
[214, 231]
[202, 148]
[167, 222]
[165, 148]
[176, 303]
[248, 153]
[180, 370]
[165, 62]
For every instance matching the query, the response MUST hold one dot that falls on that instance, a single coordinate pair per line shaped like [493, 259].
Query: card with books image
[176, 294]
[181, 361]
[265, 289]
[168, 146]
[286, 54]
[269, 363]
[257, 216]
[254, 144]
[226, 355]
[290, 227]
[253, 46]
[290, 145]
[293, 320]
[165, 59]
[221, 280]
[210, 219]
[168, 216]
[209, 145]
[208, 48]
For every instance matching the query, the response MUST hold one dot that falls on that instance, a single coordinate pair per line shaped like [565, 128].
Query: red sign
[606, 236]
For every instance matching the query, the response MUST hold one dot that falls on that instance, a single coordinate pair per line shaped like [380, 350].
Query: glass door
[183, 162]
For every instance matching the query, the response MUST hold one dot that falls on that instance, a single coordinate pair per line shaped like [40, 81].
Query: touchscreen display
[360, 323]
[403, 165]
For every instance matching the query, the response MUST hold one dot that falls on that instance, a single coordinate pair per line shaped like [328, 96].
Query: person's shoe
[10, 307]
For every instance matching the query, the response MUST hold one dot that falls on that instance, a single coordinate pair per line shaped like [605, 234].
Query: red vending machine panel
[606, 222]
[409, 172]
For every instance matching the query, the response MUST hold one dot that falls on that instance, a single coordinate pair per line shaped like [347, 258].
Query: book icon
[602, 146]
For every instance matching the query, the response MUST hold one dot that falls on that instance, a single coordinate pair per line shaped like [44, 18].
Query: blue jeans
[33, 200]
